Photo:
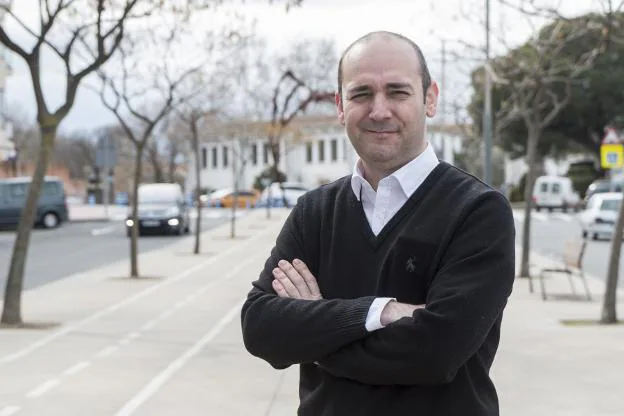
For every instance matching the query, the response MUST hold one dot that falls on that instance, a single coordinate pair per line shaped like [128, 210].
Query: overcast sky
[428, 22]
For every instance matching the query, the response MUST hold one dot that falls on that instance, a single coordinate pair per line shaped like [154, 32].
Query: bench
[572, 265]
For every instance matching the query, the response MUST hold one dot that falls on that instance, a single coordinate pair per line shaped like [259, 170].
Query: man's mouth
[381, 131]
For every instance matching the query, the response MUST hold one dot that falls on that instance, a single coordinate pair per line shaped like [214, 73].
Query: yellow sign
[612, 156]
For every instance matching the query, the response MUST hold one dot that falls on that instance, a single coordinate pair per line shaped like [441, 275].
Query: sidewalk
[92, 213]
[170, 343]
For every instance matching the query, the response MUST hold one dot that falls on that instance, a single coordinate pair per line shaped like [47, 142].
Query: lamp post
[487, 110]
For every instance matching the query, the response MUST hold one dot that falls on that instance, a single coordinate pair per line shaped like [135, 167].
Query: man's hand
[394, 311]
[295, 281]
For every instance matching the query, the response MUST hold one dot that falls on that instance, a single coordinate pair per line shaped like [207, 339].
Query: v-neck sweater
[451, 247]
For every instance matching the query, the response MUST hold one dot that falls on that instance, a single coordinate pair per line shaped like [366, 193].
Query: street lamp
[487, 110]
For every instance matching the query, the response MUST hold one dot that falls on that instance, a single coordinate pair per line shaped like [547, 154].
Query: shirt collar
[409, 177]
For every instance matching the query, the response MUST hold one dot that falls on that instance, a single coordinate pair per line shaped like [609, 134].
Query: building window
[309, 152]
[214, 157]
[266, 153]
[334, 150]
[321, 150]
[254, 154]
[225, 156]
[204, 157]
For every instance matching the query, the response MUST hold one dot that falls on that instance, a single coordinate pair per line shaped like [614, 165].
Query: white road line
[102, 231]
[9, 410]
[75, 369]
[539, 216]
[103, 312]
[107, 351]
[43, 388]
[157, 382]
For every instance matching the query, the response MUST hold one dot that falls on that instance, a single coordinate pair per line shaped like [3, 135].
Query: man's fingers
[295, 278]
[279, 289]
[288, 286]
[308, 277]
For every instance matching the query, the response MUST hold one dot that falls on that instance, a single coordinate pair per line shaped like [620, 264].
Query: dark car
[51, 208]
[162, 209]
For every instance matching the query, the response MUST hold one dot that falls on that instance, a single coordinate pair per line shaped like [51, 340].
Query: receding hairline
[386, 35]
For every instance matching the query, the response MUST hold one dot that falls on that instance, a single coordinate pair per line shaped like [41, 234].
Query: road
[77, 247]
[550, 231]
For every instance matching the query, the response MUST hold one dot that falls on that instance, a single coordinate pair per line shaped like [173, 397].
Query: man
[388, 286]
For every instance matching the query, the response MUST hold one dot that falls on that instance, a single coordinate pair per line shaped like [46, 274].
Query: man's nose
[380, 108]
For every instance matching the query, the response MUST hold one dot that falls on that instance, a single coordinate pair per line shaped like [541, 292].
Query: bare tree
[191, 120]
[140, 80]
[302, 79]
[83, 35]
[539, 79]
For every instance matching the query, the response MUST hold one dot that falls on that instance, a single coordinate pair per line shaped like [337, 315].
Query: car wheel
[50, 220]
[584, 233]
[595, 237]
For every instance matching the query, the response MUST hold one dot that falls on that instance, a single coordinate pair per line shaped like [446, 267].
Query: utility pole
[443, 103]
[487, 111]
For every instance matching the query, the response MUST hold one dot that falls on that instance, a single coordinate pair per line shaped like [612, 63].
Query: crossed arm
[419, 345]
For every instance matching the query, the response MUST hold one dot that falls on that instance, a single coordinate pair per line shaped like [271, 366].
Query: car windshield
[610, 205]
[156, 196]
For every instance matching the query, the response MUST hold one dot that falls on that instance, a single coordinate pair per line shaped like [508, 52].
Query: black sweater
[451, 247]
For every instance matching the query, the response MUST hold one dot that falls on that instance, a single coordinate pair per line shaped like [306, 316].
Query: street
[550, 231]
[82, 246]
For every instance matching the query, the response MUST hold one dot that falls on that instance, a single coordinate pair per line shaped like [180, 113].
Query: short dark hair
[424, 69]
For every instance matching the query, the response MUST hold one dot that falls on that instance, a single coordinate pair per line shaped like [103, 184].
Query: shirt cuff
[373, 318]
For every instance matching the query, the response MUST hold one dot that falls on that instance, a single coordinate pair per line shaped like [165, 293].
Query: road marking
[102, 231]
[157, 382]
[107, 351]
[76, 368]
[9, 410]
[127, 301]
[43, 388]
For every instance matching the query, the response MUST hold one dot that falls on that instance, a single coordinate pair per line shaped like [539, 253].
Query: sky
[428, 22]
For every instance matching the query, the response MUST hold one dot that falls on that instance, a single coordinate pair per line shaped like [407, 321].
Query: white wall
[294, 161]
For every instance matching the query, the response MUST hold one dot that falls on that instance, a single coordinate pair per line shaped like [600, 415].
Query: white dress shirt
[392, 193]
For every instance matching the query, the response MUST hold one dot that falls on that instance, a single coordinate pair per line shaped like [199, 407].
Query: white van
[552, 192]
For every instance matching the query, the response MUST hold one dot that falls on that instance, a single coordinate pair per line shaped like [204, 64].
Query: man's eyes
[397, 93]
[400, 93]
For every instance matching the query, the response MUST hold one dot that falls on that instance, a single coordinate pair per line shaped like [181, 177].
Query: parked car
[552, 192]
[598, 218]
[51, 208]
[274, 195]
[225, 198]
[602, 185]
[162, 209]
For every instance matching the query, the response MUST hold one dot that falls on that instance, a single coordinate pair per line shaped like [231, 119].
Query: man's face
[382, 104]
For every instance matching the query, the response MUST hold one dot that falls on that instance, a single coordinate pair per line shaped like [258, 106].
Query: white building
[316, 151]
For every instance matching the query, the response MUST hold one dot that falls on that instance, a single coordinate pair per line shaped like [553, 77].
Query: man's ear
[431, 99]
[340, 108]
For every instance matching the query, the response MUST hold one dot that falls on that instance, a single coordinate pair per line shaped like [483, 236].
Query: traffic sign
[105, 153]
[612, 156]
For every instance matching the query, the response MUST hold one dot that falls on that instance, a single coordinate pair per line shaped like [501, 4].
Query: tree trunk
[609, 312]
[197, 195]
[11, 311]
[159, 176]
[533, 139]
[134, 236]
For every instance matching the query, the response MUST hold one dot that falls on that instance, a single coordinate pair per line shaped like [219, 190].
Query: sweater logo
[410, 264]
